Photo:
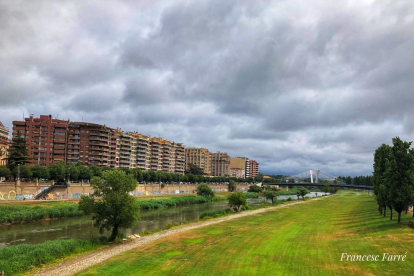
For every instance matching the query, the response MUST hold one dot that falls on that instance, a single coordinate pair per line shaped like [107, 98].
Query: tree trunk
[385, 211]
[114, 233]
[406, 210]
[391, 214]
[399, 216]
[413, 211]
[380, 209]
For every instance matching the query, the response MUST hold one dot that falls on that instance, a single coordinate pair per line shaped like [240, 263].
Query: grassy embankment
[305, 239]
[26, 212]
[18, 259]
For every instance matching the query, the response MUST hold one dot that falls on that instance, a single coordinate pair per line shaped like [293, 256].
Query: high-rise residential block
[201, 157]
[90, 144]
[240, 167]
[254, 168]
[46, 138]
[220, 164]
[4, 144]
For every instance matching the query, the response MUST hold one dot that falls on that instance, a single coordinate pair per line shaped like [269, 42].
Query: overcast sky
[295, 85]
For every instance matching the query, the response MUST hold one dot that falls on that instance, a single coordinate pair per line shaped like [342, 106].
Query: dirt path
[78, 264]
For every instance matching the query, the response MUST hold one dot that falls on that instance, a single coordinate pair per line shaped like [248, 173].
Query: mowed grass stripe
[306, 239]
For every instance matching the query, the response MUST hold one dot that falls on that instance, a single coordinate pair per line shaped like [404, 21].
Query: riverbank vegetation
[17, 259]
[32, 211]
[310, 242]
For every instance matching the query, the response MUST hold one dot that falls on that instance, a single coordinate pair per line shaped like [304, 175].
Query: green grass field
[306, 239]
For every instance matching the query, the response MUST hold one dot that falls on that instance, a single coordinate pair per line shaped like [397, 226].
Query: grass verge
[305, 239]
[17, 259]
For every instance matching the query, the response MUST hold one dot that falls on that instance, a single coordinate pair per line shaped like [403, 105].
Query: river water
[82, 227]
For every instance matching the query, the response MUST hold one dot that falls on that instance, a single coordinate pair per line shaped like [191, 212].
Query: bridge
[311, 178]
[304, 184]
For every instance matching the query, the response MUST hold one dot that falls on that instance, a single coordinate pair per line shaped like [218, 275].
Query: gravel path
[78, 264]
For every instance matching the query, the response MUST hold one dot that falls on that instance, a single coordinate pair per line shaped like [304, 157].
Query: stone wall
[75, 190]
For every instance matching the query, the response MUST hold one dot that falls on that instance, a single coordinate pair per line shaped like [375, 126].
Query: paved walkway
[78, 264]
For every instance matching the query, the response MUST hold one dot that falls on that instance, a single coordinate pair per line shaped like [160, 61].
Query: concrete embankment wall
[28, 190]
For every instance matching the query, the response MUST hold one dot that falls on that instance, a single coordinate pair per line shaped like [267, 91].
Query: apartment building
[91, 144]
[4, 144]
[135, 150]
[46, 138]
[240, 167]
[254, 168]
[220, 164]
[50, 141]
[201, 157]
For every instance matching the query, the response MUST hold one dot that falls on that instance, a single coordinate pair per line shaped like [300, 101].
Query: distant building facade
[220, 164]
[50, 141]
[254, 168]
[240, 167]
[201, 157]
[45, 137]
[4, 144]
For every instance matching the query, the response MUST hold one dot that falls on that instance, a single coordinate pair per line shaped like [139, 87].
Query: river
[82, 227]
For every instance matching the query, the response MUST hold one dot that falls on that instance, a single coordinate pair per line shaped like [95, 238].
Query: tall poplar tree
[400, 175]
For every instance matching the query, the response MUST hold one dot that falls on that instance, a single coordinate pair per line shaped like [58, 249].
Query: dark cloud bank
[293, 84]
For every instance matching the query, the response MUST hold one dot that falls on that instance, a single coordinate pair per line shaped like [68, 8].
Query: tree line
[393, 177]
[357, 180]
[77, 172]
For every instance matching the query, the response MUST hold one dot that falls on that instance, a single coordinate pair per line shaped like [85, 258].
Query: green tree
[237, 200]
[84, 173]
[39, 171]
[258, 177]
[270, 194]
[194, 169]
[115, 208]
[400, 175]
[5, 172]
[95, 170]
[291, 180]
[74, 172]
[57, 172]
[204, 190]
[326, 187]
[303, 192]
[232, 185]
[18, 153]
[25, 172]
[255, 189]
[382, 156]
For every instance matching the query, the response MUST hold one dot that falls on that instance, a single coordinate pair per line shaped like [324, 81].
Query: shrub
[252, 195]
[236, 200]
[214, 214]
[255, 189]
[205, 190]
[17, 259]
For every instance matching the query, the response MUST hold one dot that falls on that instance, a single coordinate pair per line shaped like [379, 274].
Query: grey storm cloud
[293, 84]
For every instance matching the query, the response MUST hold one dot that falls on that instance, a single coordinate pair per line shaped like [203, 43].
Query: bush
[255, 189]
[171, 202]
[214, 214]
[205, 190]
[17, 259]
[252, 195]
[236, 200]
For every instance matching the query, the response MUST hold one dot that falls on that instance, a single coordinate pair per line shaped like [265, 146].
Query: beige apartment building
[135, 150]
[220, 164]
[239, 167]
[4, 144]
[201, 157]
